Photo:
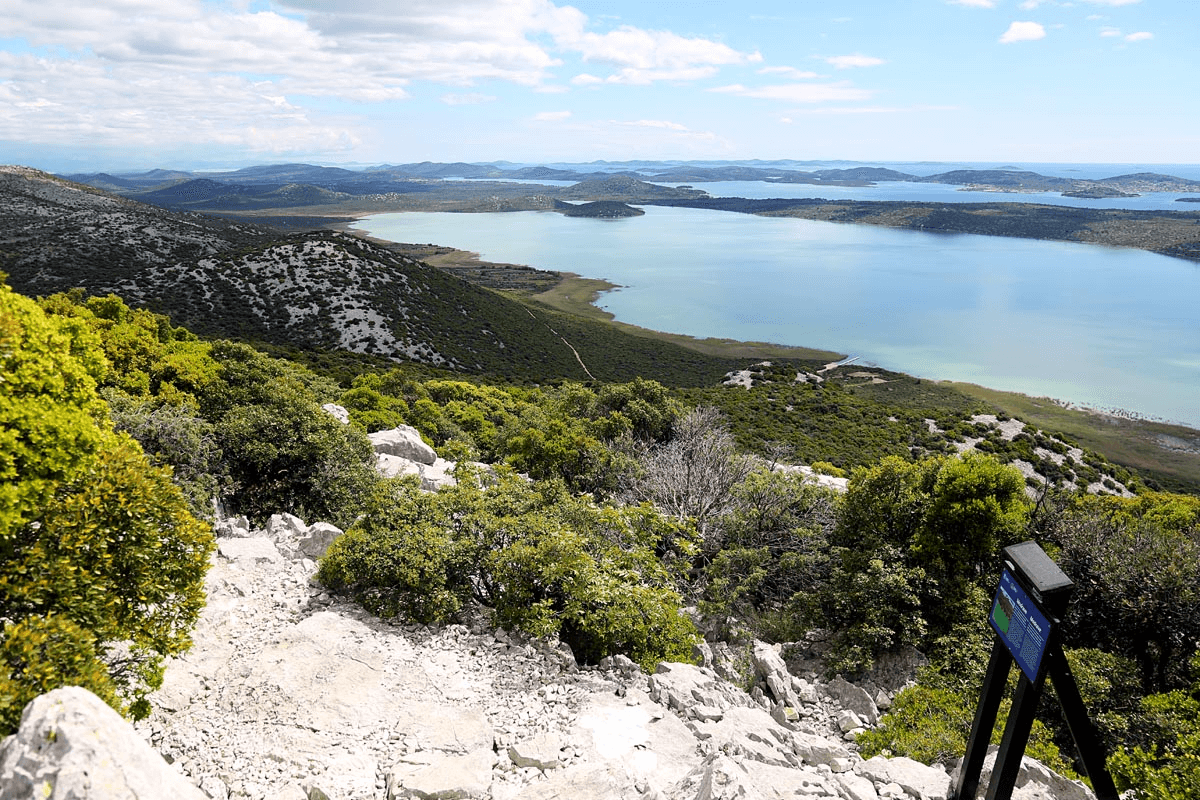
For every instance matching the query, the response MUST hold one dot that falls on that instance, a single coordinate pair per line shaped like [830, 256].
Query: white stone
[337, 412]
[71, 746]
[442, 777]
[856, 787]
[256, 550]
[540, 752]
[405, 442]
[919, 780]
[317, 539]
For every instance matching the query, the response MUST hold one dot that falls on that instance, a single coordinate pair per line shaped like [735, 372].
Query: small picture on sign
[1002, 611]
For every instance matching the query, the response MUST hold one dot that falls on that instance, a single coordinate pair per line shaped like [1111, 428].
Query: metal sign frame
[1030, 601]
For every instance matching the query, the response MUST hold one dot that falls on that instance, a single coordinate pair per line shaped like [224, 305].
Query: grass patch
[577, 295]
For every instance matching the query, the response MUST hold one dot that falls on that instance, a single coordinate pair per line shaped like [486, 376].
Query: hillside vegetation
[638, 502]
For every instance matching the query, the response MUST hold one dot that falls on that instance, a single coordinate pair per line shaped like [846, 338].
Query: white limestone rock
[917, 779]
[774, 672]
[438, 776]
[337, 412]
[316, 540]
[855, 787]
[722, 777]
[405, 442]
[1035, 781]
[853, 698]
[256, 550]
[816, 749]
[541, 752]
[681, 686]
[72, 746]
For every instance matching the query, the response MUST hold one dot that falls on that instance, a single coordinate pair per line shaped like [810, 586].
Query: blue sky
[110, 84]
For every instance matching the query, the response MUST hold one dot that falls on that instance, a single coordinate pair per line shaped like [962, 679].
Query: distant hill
[317, 290]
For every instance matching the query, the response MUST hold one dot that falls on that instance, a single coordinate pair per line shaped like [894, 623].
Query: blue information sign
[1021, 625]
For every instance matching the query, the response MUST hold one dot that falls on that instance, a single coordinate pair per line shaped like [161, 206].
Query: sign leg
[1016, 736]
[985, 720]
[1091, 752]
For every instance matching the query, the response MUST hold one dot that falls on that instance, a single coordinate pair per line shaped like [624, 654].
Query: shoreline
[574, 294]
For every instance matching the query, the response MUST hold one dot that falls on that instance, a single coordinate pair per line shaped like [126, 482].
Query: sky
[192, 84]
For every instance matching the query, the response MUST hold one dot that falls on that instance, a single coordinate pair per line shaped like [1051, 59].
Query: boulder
[540, 752]
[855, 787]
[317, 539]
[285, 527]
[635, 738]
[770, 667]
[1035, 781]
[853, 698]
[337, 412]
[752, 733]
[681, 686]
[247, 552]
[585, 782]
[440, 776]
[722, 777]
[404, 442]
[818, 750]
[919, 780]
[72, 745]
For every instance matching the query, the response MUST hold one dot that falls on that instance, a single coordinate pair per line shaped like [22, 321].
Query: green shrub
[547, 563]
[101, 564]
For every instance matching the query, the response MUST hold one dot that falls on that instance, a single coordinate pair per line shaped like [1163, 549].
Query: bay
[1108, 328]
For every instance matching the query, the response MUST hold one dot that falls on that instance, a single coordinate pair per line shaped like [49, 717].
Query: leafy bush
[544, 561]
[912, 545]
[1166, 763]
[101, 564]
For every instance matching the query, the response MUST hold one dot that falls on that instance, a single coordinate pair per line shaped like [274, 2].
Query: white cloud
[656, 123]
[551, 116]
[799, 92]
[1140, 36]
[848, 62]
[1110, 32]
[1023, 32]
[789, 73]
[469, 99]
[1112, 2]
[112, 65]
[975, 3]
[72, 102]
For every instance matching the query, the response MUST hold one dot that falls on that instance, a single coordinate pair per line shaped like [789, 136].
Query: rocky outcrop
[71, 746]
[401, 451]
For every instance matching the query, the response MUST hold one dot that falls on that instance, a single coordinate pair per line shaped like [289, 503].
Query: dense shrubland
[608, 510]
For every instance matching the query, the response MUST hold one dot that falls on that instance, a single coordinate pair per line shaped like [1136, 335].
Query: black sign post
[1029, 604]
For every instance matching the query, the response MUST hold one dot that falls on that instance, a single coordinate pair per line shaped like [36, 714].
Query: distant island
[600, 209]
[307, 197]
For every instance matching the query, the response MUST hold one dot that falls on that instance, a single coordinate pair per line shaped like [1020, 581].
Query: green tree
[1136, 566]
[101, 564]
[912, 547]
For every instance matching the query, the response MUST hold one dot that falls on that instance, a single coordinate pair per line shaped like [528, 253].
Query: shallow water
[1104, 327]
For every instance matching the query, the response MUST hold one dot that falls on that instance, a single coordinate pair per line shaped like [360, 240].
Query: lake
[1109, 328]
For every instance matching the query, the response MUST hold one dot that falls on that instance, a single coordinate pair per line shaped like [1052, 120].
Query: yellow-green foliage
[1165, 764]
[101, 564]
[548, 563]
[49, 412]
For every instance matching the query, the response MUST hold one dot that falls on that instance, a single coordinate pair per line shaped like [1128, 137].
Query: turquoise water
[1104, 327]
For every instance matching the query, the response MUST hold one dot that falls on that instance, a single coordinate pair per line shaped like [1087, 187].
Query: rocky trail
[291, 693]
